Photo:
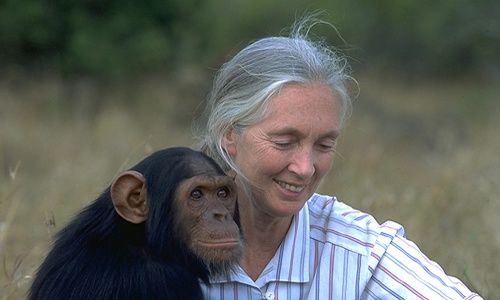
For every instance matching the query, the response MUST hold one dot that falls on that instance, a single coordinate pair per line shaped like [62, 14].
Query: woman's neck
[263, 234]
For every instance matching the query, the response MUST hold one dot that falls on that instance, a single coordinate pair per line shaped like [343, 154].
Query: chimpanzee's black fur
[99, 255]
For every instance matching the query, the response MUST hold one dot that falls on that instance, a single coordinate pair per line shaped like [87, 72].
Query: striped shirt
[332, 251]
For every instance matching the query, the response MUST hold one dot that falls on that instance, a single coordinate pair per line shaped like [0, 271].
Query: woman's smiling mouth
[290, 187]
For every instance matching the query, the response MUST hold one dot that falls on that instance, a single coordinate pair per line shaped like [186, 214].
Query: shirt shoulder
[398, 267]
[332, 221]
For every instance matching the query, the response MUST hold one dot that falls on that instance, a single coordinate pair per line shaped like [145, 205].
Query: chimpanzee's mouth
[220, 243]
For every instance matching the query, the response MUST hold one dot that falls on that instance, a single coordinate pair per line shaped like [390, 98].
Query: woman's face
[286, 154]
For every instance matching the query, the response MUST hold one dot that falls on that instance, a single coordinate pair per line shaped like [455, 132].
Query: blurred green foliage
[444, 36]
[123, 37]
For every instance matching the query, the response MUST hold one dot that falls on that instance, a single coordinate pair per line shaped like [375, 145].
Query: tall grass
[423, 154]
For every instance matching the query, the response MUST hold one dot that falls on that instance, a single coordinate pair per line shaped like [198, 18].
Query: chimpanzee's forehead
[201, 166]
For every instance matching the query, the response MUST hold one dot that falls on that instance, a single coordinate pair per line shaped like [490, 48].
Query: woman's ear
[129, 196]
[229, 141]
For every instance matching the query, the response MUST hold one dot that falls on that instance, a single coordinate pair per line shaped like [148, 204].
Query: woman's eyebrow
[293, 131]
[285, 131]
[332, 134]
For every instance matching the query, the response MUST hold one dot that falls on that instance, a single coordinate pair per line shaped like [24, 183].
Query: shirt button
[269, 296]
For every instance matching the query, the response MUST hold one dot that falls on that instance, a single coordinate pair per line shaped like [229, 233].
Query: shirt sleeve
[399, 270]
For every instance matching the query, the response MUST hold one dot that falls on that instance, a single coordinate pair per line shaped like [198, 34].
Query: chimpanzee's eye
[196, 194]
[223, 192]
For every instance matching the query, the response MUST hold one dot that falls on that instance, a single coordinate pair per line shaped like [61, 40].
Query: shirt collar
[290, 262]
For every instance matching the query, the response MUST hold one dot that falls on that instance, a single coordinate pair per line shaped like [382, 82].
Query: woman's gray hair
[244, 85]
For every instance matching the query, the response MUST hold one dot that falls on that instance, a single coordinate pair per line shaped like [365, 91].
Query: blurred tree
[442, 37]
[123, 38]
[28, 30]
[94, 37]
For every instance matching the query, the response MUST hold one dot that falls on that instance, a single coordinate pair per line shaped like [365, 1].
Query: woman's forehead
[297, 104]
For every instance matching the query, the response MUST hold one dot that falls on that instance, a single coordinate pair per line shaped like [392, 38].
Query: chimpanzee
[159, 229]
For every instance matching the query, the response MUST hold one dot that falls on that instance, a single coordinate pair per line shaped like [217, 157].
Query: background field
[421, 147]
[412, 152]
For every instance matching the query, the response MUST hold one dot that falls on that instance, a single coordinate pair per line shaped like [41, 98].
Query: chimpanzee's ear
[129, 196]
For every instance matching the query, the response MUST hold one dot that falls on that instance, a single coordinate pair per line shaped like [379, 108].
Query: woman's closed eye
[283, 144]
[327, 146]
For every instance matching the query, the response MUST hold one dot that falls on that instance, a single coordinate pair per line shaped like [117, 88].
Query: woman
[272, 121]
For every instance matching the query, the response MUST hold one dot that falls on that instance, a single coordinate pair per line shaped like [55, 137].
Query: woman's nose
[302, 163]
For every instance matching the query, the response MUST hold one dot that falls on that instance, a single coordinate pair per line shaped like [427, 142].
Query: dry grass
[424, 155]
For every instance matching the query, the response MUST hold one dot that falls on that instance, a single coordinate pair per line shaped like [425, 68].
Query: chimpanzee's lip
[222, 243]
